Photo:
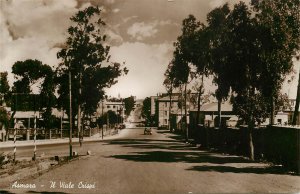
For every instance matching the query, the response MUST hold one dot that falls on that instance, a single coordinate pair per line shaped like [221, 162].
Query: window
[166, 113]
[108, 106]
[166, 121]
[114, 106]
[292, 103]
[279, 121]
[166, 104]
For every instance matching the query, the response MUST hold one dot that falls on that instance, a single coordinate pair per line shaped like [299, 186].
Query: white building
[164, 109]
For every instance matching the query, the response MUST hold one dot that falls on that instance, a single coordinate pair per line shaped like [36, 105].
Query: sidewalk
[95, 137]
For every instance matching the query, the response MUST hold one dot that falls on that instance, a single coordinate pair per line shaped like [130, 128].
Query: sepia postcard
[149, 96]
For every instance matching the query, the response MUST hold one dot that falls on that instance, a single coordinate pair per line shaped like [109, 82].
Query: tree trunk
[251, 125]
[219, 113]
[79, 108]
[70, 114]
[251, 146]
[185, 113]
[170, 108]
[198, 108]
[296, 111]
[181, 110]
[199, 102]
[272, 116]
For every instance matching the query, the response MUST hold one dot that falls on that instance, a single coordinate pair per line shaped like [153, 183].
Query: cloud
[116, 10]
[32, 30]
[216, 3]
[110, 1]
[141, 30]
[125, 20]
[113, 37]
[45, 22]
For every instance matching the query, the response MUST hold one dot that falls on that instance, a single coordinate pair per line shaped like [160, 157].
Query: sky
[141, 33]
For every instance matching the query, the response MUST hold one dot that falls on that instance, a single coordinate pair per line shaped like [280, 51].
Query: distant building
[209, 113]
[160, 106]
[290, 112]
[164, 104]
[107, 105]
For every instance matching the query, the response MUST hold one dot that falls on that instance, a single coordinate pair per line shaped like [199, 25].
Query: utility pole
[61, 122]
[70, 94]
[107, 120]
[34, 133]
[79, 108]
[118, 114]
[296, 111]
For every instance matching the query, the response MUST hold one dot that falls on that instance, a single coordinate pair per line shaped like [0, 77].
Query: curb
[51, 142]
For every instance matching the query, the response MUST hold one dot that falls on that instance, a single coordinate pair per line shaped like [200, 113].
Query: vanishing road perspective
[159, 163]
[149, 96]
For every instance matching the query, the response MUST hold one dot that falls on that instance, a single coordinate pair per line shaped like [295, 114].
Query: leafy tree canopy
[146, 109]
[5, 93]
[129, 105]
[86, 56]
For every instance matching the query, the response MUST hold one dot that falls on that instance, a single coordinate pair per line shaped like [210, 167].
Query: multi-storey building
[160, 105]
[107, 105]
[164, 104]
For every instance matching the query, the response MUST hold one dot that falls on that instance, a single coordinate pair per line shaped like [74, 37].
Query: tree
[296, 111]
[47, 97]
[169, 85]
[191, 57]
[27, 72]
[182, 58]
[4, 117]
[129, 105]
[279, 37]
[113, 118]
[182, 70]
[248, 101]
[30, 72]
[218, 49]
[84, 55]
[5, 93]
[146, 111]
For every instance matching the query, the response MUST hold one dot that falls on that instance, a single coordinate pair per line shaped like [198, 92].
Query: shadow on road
[5, 192]
[174, 151]
[45, 192]
[153, 144]
[255, 170]
[171, 135]
[186, 157]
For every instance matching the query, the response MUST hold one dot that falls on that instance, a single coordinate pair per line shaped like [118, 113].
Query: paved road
[137, 163]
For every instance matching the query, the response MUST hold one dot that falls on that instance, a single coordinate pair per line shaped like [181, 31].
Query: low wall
[276, 144]
[28, 134]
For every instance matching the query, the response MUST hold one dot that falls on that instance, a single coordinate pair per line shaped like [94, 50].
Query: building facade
[164, 104]
[117, 107]
[160, 105]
